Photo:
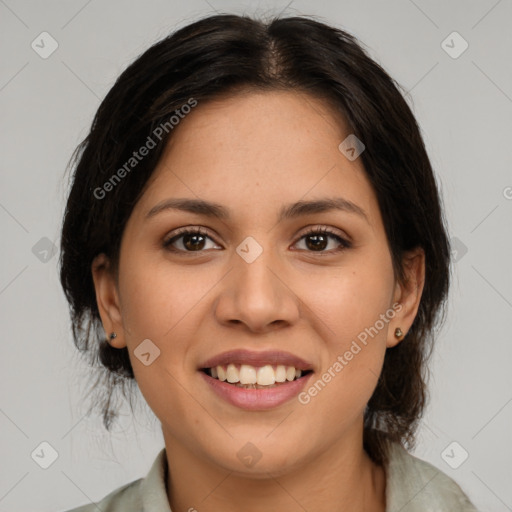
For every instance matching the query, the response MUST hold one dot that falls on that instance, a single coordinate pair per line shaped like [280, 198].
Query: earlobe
[408, 294]
[108, 301]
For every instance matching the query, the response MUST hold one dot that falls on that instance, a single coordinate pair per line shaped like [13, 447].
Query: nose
[255, 296]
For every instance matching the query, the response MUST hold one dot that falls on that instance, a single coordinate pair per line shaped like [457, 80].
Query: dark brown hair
[218, 56]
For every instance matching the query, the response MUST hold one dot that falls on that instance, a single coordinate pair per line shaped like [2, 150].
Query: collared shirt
[412, 485]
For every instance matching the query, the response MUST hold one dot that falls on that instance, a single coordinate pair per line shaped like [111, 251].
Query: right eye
[190, 239]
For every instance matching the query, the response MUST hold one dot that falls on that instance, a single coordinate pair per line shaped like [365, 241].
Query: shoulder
[126, 498]
[147, 493]
[414, 485]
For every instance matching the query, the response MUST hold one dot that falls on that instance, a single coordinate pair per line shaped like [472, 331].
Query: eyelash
[200, 231]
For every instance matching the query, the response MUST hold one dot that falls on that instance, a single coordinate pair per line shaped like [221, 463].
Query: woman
[254, 236]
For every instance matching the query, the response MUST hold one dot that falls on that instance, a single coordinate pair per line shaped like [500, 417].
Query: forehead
[273, 126]
[255, 151]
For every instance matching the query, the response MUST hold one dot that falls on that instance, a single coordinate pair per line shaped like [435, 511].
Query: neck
[340, 478]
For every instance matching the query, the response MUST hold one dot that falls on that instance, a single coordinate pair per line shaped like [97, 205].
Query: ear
[107, 298]
[408, 294]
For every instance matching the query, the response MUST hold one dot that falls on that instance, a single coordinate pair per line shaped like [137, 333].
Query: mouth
[256, 381]
[255, 377]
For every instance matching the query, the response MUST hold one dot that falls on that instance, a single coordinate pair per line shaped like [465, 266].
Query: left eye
[319, 239]
[193, 240]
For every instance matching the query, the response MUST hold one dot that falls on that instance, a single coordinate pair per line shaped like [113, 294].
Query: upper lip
[272, 357]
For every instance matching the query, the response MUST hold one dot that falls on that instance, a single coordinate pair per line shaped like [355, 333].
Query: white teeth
[281, 373]
[232, 374]
[221, 373]
[266, 375]
[290, 373]
[263, 376]
[247, 374]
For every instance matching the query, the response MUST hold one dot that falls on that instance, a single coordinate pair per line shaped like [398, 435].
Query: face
[311, 288]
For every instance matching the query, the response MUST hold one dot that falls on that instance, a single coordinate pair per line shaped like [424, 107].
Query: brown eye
[187, 240]
[317, 240]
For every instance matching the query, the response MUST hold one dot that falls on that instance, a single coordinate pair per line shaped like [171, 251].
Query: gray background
[464, 106]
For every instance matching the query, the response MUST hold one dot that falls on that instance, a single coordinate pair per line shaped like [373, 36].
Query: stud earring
[113, 335]
[398, 332]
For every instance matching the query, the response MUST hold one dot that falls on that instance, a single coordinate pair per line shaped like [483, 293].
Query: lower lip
[257, 399]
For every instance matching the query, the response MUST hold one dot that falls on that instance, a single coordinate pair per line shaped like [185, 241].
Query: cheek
[355, 311]
[361, 302]
[352, 298]
[157, 304]
[157, 296]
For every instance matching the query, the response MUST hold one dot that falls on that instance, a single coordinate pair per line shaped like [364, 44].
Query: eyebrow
[290, 211]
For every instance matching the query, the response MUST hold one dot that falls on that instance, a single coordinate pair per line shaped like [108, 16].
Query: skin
[253, 153]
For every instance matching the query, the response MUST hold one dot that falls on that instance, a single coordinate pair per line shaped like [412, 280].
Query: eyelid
[185, 230]
[321, 228]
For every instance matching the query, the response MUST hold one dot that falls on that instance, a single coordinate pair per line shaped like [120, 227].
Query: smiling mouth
[255, 377]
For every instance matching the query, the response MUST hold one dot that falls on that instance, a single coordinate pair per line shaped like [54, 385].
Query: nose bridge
[255, 293]
[256, 268]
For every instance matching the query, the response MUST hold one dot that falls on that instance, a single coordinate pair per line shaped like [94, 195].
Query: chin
[260, 459]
